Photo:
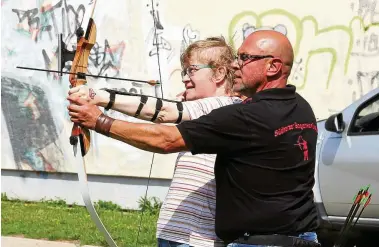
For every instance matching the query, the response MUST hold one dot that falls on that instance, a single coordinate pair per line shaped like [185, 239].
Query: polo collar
[288, 92]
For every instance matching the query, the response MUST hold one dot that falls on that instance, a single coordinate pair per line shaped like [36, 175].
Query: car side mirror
[335, 123]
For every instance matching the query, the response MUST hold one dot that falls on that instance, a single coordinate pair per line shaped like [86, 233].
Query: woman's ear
[219, 74]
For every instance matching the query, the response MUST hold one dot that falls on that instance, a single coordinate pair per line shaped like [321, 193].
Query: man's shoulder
[305, 105]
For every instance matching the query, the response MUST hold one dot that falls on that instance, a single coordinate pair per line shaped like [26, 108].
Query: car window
[366, 119]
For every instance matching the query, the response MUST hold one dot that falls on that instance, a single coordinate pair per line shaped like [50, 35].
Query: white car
[347, 159]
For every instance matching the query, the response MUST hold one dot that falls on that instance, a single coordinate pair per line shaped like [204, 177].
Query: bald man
[263, 178]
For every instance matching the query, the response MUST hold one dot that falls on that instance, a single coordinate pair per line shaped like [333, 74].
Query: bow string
[161, 86]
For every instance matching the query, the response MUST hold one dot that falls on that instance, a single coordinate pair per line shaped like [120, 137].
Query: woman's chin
[190, 94]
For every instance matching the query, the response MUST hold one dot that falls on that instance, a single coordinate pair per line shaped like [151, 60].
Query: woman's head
[206, 68]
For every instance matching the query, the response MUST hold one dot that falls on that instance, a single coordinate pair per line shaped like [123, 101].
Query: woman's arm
[129, 104]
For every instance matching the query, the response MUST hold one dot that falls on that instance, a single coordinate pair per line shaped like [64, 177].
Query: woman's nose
[185, 78]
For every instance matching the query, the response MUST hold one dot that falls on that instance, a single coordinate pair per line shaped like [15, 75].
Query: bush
[151, 205]
[107, 205]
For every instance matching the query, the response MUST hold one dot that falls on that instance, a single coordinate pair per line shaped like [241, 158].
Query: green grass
[54, 220]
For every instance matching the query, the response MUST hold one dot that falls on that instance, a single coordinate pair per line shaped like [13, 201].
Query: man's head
[206, 68]
[264, 60]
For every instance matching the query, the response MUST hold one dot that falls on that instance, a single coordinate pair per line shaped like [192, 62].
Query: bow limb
[82, 175]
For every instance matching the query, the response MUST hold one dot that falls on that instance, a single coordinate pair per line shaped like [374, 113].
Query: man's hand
[83, 112]
[93, 96]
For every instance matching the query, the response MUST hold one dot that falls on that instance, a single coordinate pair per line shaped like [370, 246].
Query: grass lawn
[55, 220]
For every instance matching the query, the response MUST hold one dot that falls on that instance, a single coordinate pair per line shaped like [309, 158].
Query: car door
[349, 159]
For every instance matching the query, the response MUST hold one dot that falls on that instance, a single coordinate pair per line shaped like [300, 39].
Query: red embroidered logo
[303, 145]
[294, 126]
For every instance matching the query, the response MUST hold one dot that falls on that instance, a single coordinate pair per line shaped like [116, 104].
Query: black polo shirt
[265, 163]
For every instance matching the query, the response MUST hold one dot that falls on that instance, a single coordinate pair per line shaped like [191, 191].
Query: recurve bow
[77, 78]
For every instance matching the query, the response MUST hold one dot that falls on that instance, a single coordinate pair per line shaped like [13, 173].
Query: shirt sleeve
[200, 107]
[223, 130]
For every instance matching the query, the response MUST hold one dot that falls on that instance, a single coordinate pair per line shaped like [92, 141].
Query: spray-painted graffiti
[52, 20]
[30, 125]
[247, 29]
[336, 43]
[156, 35]
[367, 46]
[367, 9]
[103, 60]
[106, 60]
[366, 82]
[189, 36]
[66, 19]
[325, 58]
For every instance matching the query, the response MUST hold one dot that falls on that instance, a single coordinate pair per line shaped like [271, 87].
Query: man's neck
[273, 84]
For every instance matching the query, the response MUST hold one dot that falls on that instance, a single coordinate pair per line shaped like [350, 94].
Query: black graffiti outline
[366, 8]
[33, 19]
[99, 63]
[98, 58]
[189, 35]
[374, 76]
[370, 46]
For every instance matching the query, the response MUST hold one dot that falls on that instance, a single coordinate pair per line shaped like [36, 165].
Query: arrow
[360, 197]
[151, 82]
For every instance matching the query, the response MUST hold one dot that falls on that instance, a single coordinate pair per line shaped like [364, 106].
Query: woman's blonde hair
[214, 51]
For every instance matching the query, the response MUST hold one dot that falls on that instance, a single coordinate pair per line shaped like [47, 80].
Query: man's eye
[243, 57]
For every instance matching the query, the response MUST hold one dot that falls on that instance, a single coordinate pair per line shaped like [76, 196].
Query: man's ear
[274, 67]
[219, 74]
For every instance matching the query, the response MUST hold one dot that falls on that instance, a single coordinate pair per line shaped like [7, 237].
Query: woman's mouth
[189, 86]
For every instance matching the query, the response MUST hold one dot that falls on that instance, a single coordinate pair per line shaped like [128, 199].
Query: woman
[187, 214]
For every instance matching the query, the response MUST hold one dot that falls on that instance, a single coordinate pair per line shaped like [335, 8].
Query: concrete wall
[124, 191]
[336, 61]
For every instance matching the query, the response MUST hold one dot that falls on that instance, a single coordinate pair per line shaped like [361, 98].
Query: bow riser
[80, 66]
[80, 62]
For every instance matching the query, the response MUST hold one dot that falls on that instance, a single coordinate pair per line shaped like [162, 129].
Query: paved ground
[25, 242]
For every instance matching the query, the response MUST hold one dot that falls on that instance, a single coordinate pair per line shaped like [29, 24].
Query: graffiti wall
[336, 46]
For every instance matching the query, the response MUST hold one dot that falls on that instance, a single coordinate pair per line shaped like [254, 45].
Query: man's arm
[223, 130]
[128, 105]
[155, 138]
